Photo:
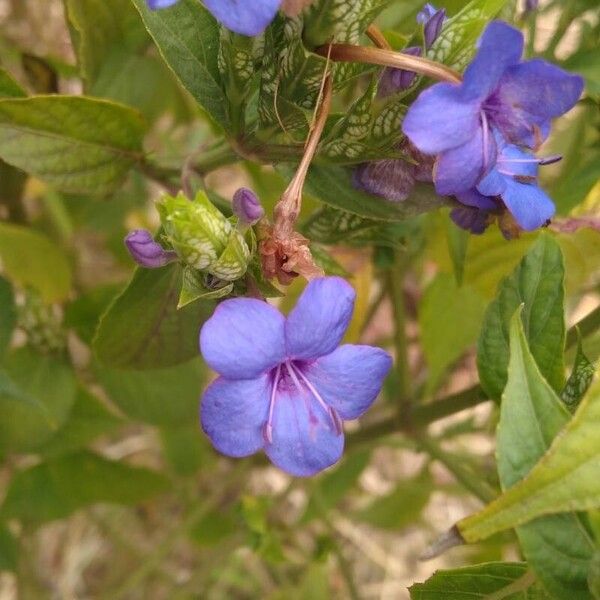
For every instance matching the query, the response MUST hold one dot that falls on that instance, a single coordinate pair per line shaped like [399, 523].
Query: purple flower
[285, 386]
[248, 17]
[513, 178]
[247, 207]
[499, 91]
[433, 20]
[146, 252]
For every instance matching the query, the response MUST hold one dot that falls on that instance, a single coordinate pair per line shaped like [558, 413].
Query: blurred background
[118, 494]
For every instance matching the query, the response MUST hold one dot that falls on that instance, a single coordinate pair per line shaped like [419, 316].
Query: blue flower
[248, 17]
[513, 180]
[499, 91]
[285, 386]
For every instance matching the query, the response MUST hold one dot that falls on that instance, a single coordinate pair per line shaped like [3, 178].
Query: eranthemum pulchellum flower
[286, 384]
[248, 17]
[499, 91]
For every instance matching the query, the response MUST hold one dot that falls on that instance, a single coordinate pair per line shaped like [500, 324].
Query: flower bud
[146, 252]
[247, 207]
[531, 5]
[393, 80]
[432, 19]
[203, 238]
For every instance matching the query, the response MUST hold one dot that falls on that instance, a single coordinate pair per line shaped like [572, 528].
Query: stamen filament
[335, 418]
[268, 430]
[486, 138]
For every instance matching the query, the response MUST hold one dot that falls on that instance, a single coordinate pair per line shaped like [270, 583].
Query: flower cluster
[483, 131]
[285, 386]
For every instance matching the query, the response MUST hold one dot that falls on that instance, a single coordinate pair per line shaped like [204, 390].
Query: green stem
[470, 480]
[395, 284]
[421, 415]
[345, 567]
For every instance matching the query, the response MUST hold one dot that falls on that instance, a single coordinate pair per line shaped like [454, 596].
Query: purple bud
[432, 20]
[397, 80]
[247, 207]
[426, 13]
[146, 252]
[433, 27]
[391, 179]
[472, 219]
[531, 5]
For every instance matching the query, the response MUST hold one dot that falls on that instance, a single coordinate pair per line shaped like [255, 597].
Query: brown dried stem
[389, 58]
[288, 208]
[377, 37]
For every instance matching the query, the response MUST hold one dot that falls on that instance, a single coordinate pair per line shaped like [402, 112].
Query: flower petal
[248, 17]
[441, 119]
[350, 378]
[459, 169]
[317, 324]
[493, 184]
[233, 414]
[475, 199]
[529, 95]
[529, 204]
[155, 4]
[243, 339]
[305, 439]
[500, 47]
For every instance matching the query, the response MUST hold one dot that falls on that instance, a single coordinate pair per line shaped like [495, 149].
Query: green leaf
[401, 507]
[31, 259]
[538, 284]
[36, 396]
[9, 550]
[580, 379]
[51, 138]
[8, 314]
[9, 88]
[168, 396]
[84, 312]
[506, 581]
[185, 447]
[88, 420]
[334, 485]
[101, 28]
[594, 577]
[187, 37]
[456, 44]
[142, 328]
[449, 319]
[558, 547]
[56, 488]
[566, 478]
[333, 185]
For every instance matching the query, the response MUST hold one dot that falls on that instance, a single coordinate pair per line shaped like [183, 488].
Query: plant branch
[377, 37]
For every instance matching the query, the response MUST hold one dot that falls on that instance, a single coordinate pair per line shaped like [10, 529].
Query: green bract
[203, 238]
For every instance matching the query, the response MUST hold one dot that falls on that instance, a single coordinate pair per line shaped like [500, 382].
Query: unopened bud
[146, 252]
[432, 19]
[203, 238]
[247, 207]
[393, 80]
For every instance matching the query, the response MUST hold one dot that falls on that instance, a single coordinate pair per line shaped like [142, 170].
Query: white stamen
[268, 429]
[337, 424]
[486, 139]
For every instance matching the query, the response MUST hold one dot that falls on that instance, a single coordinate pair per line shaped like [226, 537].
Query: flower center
[290, 373]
